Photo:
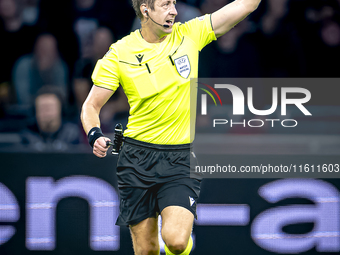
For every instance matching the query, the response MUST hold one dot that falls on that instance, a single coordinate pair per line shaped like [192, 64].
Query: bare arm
[90, 116]
[227, 17]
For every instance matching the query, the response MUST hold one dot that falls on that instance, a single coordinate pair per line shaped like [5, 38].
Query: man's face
[164, 13]
[46, 48]
[48, 111]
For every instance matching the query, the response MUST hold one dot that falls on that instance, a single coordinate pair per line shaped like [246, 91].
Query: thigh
[145, 236]
[177, 223]
[178, 219]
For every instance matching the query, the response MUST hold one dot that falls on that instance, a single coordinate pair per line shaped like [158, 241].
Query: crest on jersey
[140, 57]
[183, 66]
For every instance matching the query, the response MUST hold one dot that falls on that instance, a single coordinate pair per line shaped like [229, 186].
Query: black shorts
[152, 177]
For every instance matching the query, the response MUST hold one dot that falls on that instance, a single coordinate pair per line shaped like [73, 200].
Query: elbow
[87, 109]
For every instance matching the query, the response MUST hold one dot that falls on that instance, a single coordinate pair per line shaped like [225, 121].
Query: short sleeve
[106, 71]
[199, 30]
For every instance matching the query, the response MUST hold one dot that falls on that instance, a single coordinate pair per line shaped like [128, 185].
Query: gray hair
[137, 3]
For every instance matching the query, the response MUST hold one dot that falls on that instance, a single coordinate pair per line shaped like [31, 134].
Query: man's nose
[173, 10]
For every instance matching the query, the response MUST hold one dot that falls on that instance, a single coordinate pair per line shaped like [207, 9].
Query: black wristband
[94, 134]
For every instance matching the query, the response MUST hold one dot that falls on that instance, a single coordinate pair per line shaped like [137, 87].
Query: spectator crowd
[49, 48]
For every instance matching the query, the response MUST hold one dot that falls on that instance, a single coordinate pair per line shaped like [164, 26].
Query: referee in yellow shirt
[154, 66]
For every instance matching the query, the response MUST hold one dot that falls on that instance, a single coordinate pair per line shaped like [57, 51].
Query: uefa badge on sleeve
[183, 66]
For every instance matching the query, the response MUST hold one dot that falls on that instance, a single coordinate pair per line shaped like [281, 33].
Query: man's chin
[168, 30]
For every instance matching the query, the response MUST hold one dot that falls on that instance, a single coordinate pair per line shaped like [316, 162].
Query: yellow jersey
[156, 80]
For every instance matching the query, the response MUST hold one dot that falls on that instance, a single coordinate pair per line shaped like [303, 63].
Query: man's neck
[150, 36]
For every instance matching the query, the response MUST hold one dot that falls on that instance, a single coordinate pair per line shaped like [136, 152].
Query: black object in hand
[118, 139]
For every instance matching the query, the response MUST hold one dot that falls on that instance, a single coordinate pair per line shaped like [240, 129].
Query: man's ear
[144, 10]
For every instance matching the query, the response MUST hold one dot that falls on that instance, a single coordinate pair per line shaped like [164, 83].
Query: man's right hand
[100, 147]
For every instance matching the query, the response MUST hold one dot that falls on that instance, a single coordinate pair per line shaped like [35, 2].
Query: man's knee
[176, 230]
[176, 244]
[177, 248]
